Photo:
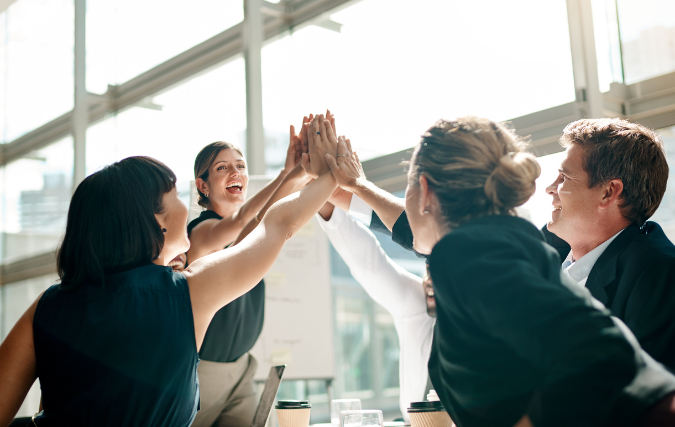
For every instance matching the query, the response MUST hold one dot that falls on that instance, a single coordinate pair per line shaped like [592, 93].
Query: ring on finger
[318, 133]
[341, 155]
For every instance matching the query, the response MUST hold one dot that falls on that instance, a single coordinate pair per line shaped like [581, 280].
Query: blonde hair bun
[512, 182]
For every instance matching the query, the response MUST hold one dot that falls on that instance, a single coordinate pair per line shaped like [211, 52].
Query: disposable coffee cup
[293, 413]
[428, 414]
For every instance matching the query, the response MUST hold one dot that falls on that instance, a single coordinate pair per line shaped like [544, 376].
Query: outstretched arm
[293, 182]
[348, 173]
[217, 279]
[390, 285]
[17, 366]
[213, 235]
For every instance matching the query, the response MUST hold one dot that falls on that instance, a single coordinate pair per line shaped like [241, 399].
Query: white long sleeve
[395, 289]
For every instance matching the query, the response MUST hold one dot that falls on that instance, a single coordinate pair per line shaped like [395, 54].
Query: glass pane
[538, 209]
[387, 83]
[128, 37]
[37, 83]
[607, 43]
[16, 298]
[647, 38]
[665, 215]
[36, 193]
[174, 126]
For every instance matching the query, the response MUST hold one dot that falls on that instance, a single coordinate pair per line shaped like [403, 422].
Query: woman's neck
[225, 210]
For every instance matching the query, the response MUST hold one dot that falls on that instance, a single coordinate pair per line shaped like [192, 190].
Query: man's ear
[202, 186]
[612, 191]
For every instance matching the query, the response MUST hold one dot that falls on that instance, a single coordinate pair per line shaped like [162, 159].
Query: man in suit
[612, 180]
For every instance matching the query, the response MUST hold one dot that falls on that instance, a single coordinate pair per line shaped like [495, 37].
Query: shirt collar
[581, 268]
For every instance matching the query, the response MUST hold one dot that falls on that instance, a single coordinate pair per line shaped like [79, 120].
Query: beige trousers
[227, 392]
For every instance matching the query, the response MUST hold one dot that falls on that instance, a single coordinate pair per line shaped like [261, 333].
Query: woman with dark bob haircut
[514, 342]
[116, 342]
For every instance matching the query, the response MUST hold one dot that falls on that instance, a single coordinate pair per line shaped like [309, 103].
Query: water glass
[365, 418]
[339, 405]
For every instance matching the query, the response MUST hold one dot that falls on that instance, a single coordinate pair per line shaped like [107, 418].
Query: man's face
[575, 206]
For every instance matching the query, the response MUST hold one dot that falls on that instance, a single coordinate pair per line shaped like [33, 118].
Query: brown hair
[476, 167]
[205, 159]
[619, 149]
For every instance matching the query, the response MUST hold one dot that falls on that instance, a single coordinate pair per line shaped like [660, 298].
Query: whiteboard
[298, 328]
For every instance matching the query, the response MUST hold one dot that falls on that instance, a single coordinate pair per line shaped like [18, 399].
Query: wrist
[359, 187]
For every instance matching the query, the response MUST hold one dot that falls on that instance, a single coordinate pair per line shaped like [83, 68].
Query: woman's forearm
[293, 182]
[293, 212]
[387, 206]
[250, 208]
[219, 278]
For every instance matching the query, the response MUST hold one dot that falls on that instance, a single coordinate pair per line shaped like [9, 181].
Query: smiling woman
[226, 369]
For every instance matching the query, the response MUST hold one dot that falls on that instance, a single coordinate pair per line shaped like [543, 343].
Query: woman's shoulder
[487, 234]
[203, 216]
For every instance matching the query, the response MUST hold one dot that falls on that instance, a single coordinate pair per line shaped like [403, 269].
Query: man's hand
[346, 166]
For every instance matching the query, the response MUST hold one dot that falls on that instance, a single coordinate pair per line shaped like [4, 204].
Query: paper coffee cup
[293, 413]
[428, 414]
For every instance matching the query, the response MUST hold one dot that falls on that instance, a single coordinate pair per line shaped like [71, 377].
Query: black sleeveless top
[119, 355]
[236, 327]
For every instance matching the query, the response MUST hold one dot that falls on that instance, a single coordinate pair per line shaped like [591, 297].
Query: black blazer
[635, 278]
[513, 336]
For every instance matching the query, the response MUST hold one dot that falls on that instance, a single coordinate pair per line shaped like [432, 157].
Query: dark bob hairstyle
[111, 223]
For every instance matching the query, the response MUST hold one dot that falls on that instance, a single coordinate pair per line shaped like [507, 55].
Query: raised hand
[322, 141]
[294, 153]
[346, 166]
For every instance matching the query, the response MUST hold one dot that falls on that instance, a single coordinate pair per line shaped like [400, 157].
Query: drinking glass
[365, 418]
[339, 405]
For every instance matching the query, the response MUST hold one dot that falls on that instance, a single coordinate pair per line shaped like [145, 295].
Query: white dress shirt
[395, 289]
[579, 269]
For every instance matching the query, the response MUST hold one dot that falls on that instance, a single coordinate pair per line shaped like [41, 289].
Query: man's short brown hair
[619, 149]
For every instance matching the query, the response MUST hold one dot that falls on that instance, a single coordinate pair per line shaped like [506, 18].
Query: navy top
[119, 355]
[236, 327]
[512, 337]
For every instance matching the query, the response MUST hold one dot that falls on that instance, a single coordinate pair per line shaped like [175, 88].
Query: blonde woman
[514, 343]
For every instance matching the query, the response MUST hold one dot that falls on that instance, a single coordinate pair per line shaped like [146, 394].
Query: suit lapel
[604, 271]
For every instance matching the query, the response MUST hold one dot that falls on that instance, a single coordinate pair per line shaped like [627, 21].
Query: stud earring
[163, 230]
[206, 194]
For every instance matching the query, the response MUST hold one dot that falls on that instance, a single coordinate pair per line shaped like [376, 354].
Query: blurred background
[84, 83]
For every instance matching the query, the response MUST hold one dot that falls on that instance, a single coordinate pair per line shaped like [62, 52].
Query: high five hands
[322, 151]
[322, 141]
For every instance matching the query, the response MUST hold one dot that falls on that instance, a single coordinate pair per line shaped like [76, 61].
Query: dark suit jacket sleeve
[376, 224]
[401, 234]
[650, 311]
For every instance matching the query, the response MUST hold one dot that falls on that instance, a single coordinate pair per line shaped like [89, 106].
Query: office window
[396, 67]
[607, 43]
[37, 64]
[174, 126]
[538, 209]
[16, 298]
[665, 215]
[36, 192]
[127, 37]
[647, 30]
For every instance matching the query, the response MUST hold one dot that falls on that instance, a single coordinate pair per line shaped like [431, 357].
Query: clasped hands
[324, 152]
